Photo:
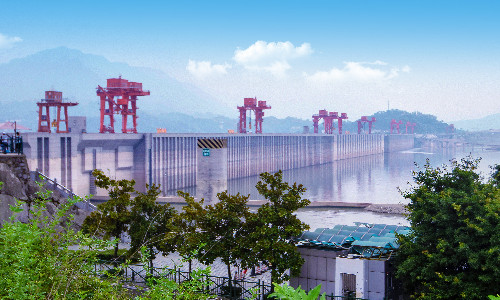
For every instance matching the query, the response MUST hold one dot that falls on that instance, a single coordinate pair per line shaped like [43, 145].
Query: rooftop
[363, 239]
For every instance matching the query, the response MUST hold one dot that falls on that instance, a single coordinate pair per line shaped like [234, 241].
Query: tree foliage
[151, 224]
[112, 218]
[274, 224]
[286, 292]
[219, 227]
[453, 251]
[146, 221]
[228, 230]
[36, 261]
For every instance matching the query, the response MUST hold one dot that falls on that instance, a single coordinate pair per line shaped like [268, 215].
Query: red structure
[328, 117]
[53, 99]
[411, 126]
[343, 116]
[395, 125]
[126, 94]
[364, 119]
[253, 105]
[328, 121]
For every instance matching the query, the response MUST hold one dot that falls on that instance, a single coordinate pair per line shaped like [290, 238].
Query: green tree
[188, 238]
[151, 224]
[271, 229]
[112, 218]
[219, 229]
[453, 251]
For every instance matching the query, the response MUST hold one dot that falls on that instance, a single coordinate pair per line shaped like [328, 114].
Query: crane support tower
[342, 116]
[362, 121]
[395, 125]
[53, 99]
[328, 121]
[253, 105]
[119, 97]
[411, 126]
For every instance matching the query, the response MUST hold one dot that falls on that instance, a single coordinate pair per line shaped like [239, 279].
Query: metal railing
[351, 297]
[11, 144]
[213, 285]
[54, 185]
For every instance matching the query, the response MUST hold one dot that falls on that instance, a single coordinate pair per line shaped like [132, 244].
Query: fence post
[260, 291]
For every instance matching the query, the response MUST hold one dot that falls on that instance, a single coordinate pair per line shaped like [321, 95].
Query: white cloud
[7, 41]
[272, 57]
[358, 71]
[203, 69]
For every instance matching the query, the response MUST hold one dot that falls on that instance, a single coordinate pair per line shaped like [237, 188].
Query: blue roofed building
[355, 261]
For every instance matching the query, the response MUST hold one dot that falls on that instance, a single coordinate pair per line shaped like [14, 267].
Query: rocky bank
[17, 184]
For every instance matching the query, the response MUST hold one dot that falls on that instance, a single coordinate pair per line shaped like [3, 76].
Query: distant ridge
[491, 122]
[174, 105]
[77, 75]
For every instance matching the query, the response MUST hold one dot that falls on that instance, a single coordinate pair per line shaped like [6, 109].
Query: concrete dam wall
[179, 161]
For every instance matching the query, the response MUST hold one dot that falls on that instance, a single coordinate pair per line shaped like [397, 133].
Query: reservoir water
[374, 179]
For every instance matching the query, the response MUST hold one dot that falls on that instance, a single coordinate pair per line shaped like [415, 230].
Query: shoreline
[397, 209]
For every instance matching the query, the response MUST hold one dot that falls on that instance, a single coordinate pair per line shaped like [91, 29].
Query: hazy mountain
[173, 105]
[77, 75]
[486, 123]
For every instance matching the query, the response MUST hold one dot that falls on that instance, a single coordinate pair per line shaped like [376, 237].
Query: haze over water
[372, 179]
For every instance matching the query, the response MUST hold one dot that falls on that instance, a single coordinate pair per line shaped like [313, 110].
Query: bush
[36, 261]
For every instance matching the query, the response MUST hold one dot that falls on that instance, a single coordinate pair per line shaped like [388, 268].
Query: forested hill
[425, 123]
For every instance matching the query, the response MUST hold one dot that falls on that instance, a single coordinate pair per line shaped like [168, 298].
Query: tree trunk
[151, 260]
[272, 278]
[116, 247]
[229, 280]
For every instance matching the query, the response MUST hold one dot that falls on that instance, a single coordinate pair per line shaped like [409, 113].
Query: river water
[374, 179]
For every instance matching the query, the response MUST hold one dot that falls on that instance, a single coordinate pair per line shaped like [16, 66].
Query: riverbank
[378, 208]
[398, 209]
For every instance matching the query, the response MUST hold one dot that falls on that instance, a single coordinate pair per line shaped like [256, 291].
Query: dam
[180, 161]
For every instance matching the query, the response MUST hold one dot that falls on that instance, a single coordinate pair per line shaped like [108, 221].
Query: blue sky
[439, 57]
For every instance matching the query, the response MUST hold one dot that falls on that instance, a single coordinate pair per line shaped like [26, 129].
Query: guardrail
[54, 185]
[214, 285]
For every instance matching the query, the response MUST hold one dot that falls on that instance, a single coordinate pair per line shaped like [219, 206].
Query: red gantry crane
[328, 121]
[411, 126]
[364, 119]
[253, 105]
[328, 118]
[119, 97]
[53, 99]
[395, 125]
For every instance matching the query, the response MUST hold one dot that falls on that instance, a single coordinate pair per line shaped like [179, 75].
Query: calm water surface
[374, 179]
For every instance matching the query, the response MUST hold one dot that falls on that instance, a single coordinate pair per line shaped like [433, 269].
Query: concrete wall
[70, 158]
[370, 277]
[318, 268]
[171, 160]
[325, 267]
[211, 174]
[398, 142]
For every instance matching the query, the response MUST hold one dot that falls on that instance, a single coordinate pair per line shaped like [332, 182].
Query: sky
[358, 57]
